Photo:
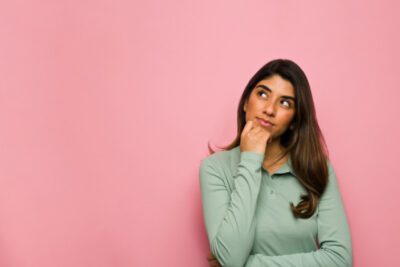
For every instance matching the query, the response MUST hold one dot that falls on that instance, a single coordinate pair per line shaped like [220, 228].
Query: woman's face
[272, 99]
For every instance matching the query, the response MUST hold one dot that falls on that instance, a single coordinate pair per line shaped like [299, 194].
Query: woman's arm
[229, 217]
[333, 235]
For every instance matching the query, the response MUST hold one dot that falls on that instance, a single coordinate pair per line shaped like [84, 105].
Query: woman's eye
[261, 92]
[288, 103]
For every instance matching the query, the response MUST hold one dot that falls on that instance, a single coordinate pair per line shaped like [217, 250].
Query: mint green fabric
[249, 222]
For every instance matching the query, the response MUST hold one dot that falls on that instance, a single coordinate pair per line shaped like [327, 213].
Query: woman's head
[272, 100]
[290, 80]
[288, 104]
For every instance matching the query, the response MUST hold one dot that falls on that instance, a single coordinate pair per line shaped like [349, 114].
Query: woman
[271, 198]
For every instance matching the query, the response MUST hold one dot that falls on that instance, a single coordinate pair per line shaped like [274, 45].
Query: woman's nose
[269, 108]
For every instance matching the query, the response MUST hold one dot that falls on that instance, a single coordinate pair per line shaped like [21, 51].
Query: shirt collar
[287, 167]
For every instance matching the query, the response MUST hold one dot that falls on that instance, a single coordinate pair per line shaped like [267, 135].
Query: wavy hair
[305, 142]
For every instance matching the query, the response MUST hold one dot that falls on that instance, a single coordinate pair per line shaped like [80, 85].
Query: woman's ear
[245, 105]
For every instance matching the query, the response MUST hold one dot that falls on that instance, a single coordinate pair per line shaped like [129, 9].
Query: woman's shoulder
[220, 167]
[332, 183]
[225, 159]
[331, 169]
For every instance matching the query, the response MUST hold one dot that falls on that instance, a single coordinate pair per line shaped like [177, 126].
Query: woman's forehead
[277, 85]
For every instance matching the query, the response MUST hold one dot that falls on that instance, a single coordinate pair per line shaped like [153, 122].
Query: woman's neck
[273, 151]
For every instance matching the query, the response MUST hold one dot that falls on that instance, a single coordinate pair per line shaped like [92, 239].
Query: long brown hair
[304, 142]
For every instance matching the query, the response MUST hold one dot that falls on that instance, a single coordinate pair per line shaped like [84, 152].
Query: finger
[262, 134]
[247, 127]
[265, 134]
[269, 136]
[211, 256]
[255, 123]
[256, 130]
[213, 263]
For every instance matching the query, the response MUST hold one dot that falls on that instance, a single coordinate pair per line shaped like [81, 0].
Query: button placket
[271, 194]
[270, 187]
[277, 181]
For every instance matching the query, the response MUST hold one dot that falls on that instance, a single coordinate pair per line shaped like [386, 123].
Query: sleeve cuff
[251, 156]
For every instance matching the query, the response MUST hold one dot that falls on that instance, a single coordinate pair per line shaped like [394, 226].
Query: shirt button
[271, 194]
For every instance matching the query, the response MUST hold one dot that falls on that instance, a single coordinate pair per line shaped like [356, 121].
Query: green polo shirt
[249, 222]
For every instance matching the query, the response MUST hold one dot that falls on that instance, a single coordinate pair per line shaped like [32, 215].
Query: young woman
[271, 198]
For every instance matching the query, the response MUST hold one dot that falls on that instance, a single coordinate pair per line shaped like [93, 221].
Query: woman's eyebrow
[269, 89]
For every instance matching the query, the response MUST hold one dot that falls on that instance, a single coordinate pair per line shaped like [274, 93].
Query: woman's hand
[254, 137]
[213, 261]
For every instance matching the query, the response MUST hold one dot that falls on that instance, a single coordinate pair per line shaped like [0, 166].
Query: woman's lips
[265, 123]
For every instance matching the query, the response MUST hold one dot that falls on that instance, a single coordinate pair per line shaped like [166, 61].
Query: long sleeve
[333, 235]
[229, 214]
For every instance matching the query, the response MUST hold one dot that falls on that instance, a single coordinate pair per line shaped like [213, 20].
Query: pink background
[106, 108]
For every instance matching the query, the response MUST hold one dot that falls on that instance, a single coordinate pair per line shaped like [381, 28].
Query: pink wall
[106, 108]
